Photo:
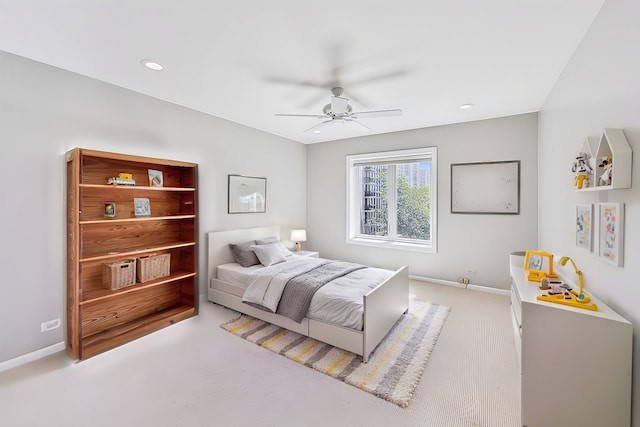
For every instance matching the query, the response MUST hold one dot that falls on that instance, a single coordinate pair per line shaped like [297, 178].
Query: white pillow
[286, 252]
[268, 254]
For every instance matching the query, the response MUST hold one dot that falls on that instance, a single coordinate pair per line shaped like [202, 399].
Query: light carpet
[394, 368]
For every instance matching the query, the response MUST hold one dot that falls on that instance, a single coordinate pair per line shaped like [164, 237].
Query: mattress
[339, 302]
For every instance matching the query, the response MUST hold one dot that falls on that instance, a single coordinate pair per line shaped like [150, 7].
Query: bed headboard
[218, 244]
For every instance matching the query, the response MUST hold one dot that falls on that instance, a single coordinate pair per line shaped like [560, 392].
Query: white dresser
[575, 364]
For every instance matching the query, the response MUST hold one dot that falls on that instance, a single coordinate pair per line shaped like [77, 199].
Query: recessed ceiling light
[465, 106]
[152, 65]
[316, 131]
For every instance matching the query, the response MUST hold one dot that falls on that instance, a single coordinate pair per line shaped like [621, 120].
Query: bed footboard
[383, 306]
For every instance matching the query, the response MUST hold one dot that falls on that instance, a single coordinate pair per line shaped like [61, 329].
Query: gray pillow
[243, 254]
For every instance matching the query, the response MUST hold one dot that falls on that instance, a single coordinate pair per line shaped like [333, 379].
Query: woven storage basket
[117, 275]
[153, 267]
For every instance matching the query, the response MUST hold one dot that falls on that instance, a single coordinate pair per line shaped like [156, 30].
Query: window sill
[403, 246]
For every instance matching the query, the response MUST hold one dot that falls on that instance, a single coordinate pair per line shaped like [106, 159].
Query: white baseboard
[30, 357]
[469, 286]
[489, 290]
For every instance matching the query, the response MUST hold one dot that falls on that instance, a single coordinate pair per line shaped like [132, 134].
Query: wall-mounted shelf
[612, 144]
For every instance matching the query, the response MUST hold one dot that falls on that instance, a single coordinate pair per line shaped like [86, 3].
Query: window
[391, 199]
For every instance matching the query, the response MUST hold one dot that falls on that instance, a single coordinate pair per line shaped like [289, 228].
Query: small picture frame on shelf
[584, 226]
[155, 178]
[611, 233]
[141, 206]
[109, 210]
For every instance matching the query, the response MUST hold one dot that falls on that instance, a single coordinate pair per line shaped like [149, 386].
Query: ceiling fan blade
[319, 125]
[377, 113]
[294, 82]
[317, 116]
[384, 76]
[364, 126]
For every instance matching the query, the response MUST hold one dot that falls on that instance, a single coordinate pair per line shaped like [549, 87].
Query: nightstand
[311, 254]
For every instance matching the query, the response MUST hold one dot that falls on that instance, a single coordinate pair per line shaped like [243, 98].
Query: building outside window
[392, 199]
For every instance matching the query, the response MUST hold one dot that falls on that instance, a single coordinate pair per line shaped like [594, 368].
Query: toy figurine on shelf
[582, 170]
[122, 179]
[607, 165]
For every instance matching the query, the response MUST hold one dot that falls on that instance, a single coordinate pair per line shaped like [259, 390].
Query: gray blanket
[298, 291]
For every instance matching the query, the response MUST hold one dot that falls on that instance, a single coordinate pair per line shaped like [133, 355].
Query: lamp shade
[298, 235]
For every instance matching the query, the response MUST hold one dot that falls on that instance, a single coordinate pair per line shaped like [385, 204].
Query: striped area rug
[394, 368]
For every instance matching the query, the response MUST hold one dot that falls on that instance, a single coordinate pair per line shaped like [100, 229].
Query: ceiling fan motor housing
[339, 106]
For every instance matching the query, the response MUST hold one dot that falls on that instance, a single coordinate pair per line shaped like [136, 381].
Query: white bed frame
[383, 305]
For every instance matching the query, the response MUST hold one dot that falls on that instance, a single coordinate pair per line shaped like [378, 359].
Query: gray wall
[600, 87]
[44, 112]
[482, 242]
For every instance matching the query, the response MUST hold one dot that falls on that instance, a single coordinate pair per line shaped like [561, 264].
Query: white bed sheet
[236, 274]
[339, 302]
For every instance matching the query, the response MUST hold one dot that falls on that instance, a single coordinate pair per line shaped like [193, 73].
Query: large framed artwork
[247, 194]
[584, 226]
[486, 187]
[611, 232]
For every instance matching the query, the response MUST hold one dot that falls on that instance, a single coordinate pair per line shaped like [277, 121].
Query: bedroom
[70, 111]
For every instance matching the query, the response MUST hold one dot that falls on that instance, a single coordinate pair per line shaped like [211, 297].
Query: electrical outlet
[50, 325]
[471, 271]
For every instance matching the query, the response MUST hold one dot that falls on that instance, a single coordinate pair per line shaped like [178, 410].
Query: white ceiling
[246, 60]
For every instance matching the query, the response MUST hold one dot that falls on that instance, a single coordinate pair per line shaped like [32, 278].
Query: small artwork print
[584, 214]
[141, 207]
[109, 210]
[611, 232]
[155, 178]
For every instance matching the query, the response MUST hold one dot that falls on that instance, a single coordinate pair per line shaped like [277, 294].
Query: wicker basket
[117, 275]
[153, 267]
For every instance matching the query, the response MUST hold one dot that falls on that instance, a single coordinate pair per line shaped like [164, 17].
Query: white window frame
[354, 199]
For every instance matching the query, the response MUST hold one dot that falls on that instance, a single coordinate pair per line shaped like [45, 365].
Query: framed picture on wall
[247, 194]
[611, 232]
[584, 226]
[486, 187]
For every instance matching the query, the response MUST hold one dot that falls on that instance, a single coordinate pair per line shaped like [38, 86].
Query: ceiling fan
[339, 111]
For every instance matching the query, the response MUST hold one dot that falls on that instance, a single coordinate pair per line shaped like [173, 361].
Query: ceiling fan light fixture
[152, 65]
[465, 106]
[338, 110]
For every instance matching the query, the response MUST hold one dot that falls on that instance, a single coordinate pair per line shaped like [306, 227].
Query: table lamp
[298, 236]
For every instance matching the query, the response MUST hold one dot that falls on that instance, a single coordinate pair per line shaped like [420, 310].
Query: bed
[382, 303]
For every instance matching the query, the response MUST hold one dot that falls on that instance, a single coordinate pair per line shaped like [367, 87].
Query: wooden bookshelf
[99, 318]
